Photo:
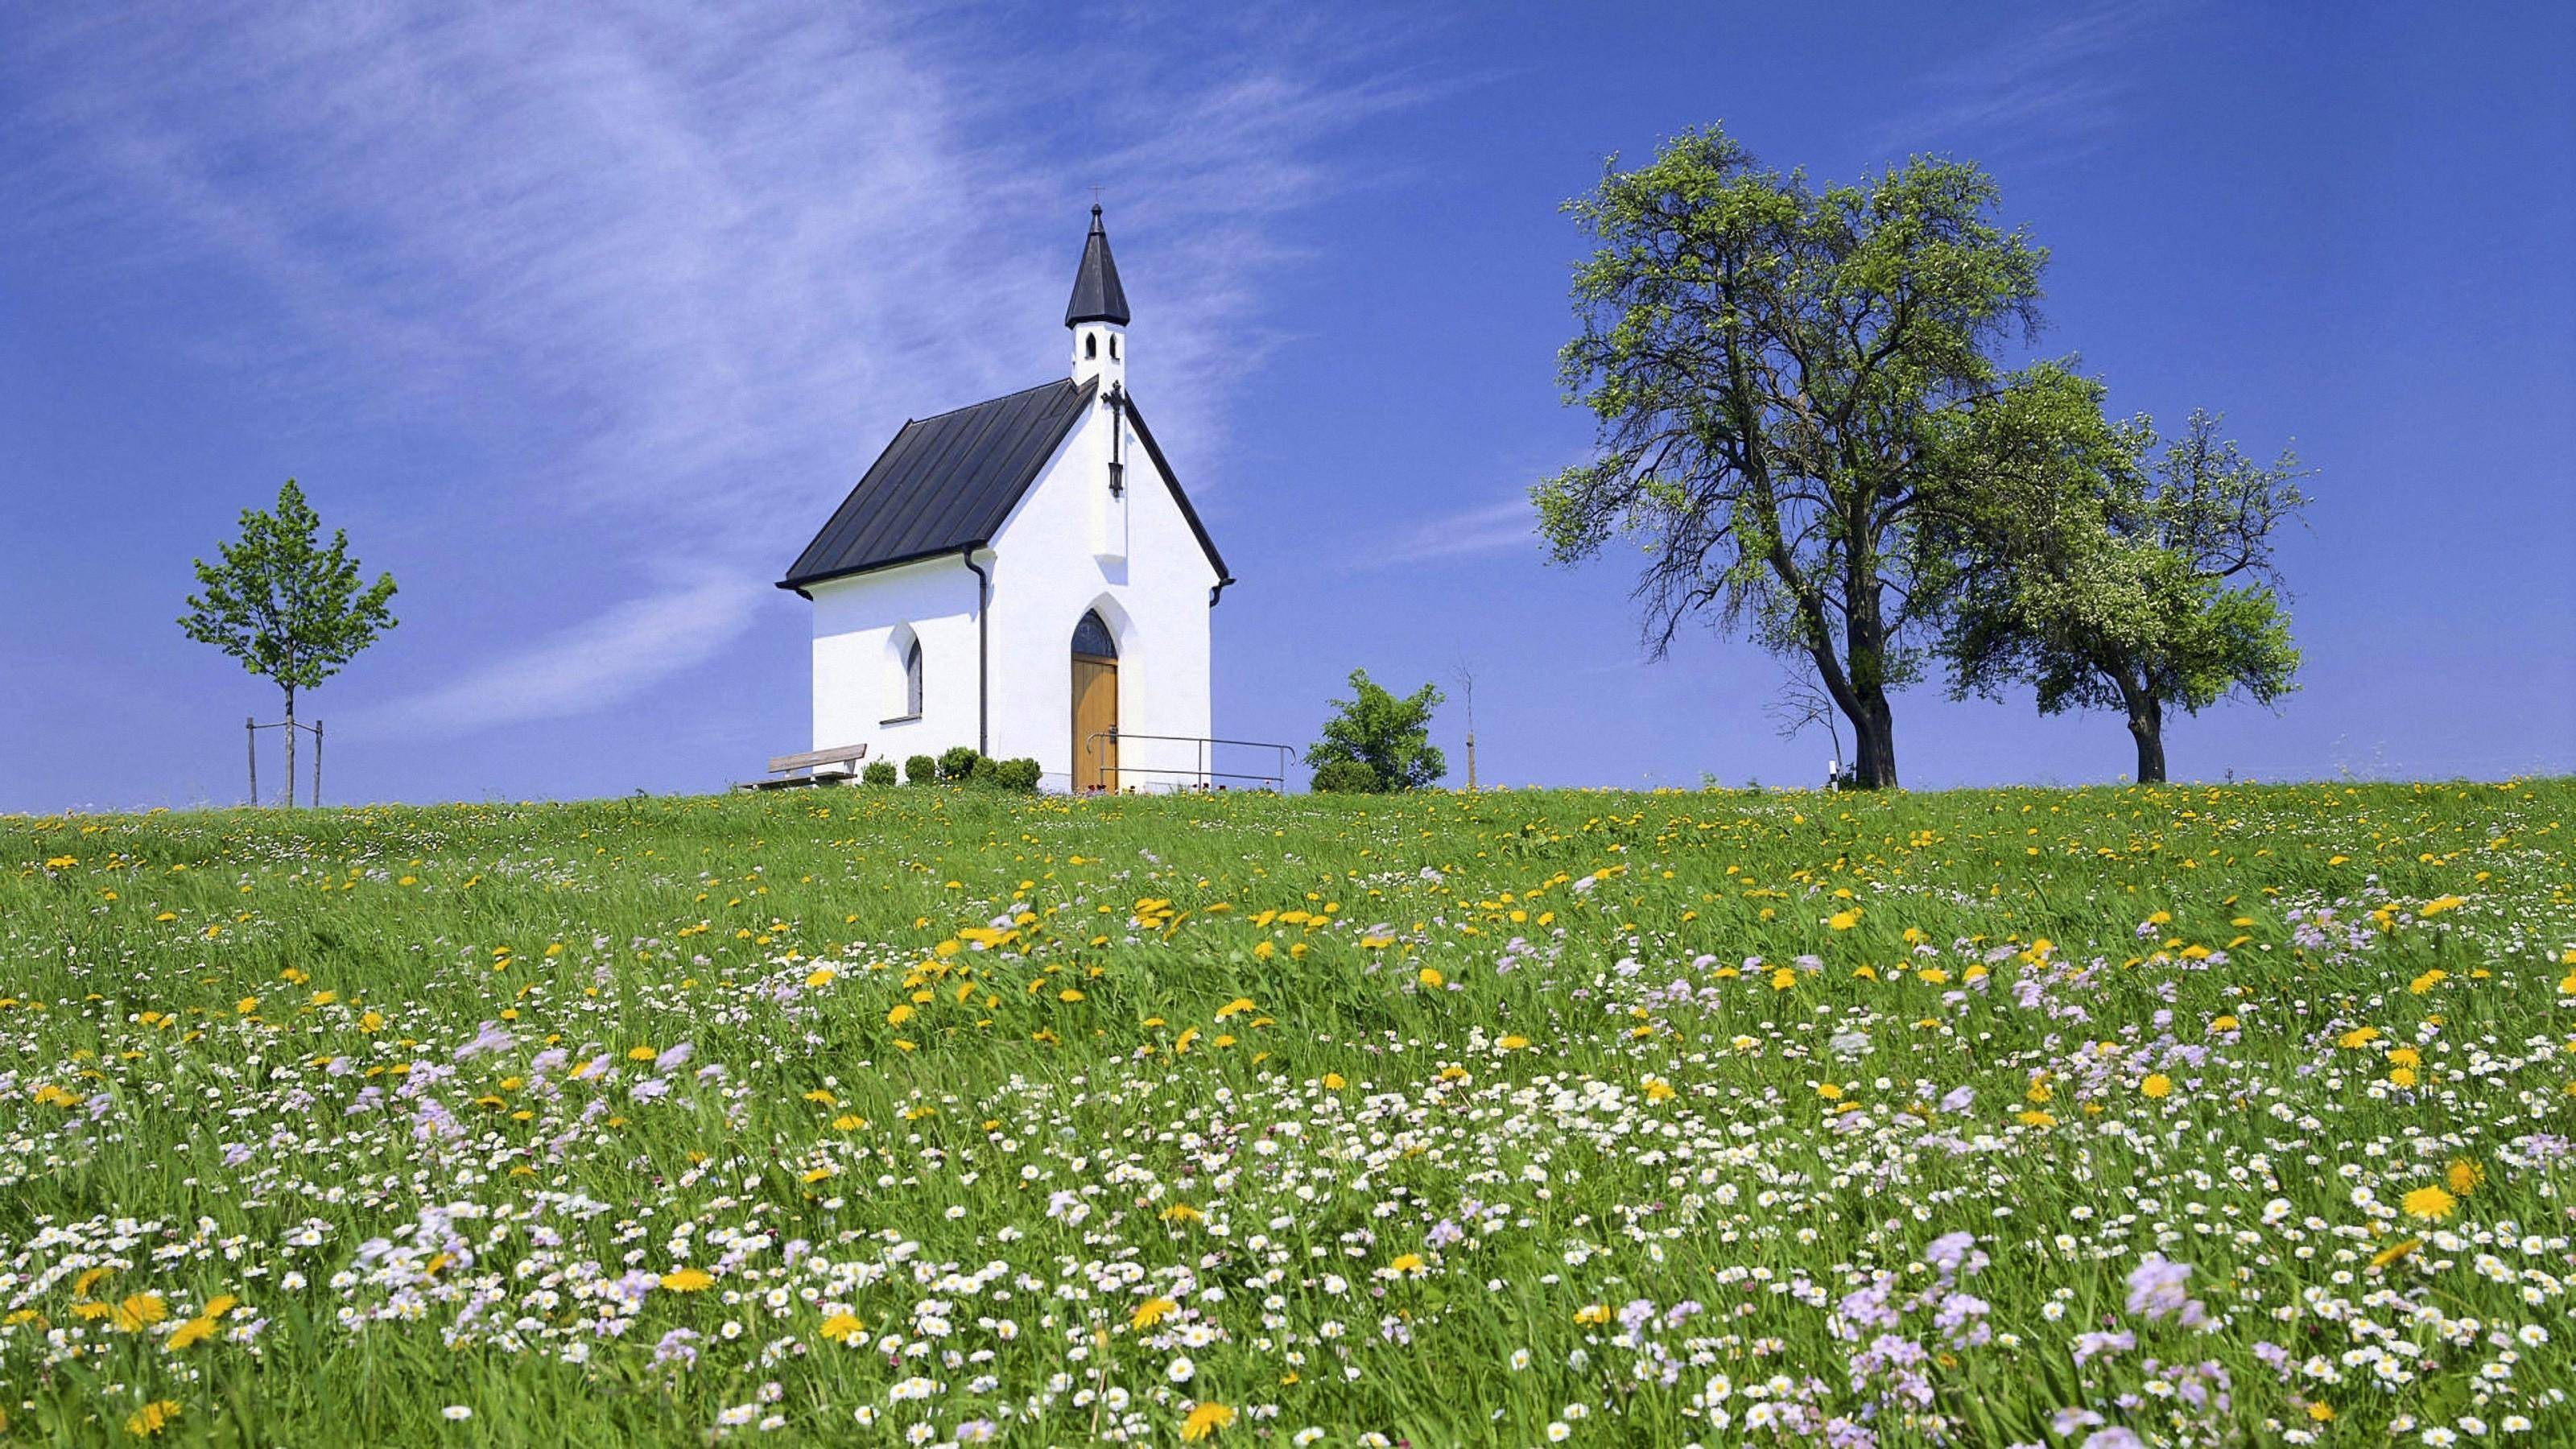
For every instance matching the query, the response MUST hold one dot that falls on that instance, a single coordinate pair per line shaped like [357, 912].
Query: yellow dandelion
[2157, 1084]
[688, 1280]
[1204, 1421]
[1429, 977]
[152, 1418]
[140, 1311]
[1151, 1312]
[2429, 1203]
[194, 1331]
[2463, 1176]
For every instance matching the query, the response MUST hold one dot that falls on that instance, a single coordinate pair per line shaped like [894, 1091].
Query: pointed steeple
[1097, 297]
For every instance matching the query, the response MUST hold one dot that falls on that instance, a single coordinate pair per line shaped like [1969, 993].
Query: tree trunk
[1874, 741]
[1865, 646]
[2147, 727]
[290, 749]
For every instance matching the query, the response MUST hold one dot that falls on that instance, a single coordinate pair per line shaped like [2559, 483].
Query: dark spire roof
[1097, 297]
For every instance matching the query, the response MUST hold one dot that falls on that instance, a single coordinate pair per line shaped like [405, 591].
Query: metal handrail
[1205, 776]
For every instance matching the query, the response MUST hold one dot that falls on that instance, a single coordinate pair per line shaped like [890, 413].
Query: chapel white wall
[859, 626]
[1070, 547]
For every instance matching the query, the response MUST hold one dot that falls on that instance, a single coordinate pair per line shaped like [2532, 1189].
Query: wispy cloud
[2051, 94]
[571, 672]
[686, 267]
[1508, 526]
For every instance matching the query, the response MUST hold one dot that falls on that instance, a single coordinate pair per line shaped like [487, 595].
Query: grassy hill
[918, 1115]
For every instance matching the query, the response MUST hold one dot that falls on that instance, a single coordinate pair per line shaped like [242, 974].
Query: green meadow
[925, 1115]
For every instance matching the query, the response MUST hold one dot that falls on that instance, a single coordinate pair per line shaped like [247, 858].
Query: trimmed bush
[879, 772]
[1020, 774]
[957, 765]
[1343, 777]
[920, 770]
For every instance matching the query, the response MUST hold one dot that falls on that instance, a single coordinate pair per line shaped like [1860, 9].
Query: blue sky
[581, 323]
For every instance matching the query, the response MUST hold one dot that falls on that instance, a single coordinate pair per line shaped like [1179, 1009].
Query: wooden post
[317, 764]
[250, 732]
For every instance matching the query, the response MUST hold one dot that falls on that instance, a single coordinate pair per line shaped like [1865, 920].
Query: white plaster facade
[1071, 544]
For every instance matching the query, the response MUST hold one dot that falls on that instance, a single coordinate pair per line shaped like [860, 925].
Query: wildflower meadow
[921, 1115]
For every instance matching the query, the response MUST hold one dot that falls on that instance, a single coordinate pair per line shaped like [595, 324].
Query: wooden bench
[786, 767]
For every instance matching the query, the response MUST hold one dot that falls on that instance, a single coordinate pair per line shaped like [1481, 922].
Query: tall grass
[932, 1115]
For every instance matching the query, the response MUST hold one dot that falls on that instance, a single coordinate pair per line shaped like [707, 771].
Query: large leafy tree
[291, 610]
[2110, 568]
[1390, 734]
[1772, 367]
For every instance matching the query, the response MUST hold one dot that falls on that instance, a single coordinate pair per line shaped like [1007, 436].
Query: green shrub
[879, 772]
[920, 770]
[957, 765]
[1343, 777]
[1020, 775]
[1391, 736]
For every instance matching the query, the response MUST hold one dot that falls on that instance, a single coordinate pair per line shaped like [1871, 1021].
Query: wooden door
[1095, 713]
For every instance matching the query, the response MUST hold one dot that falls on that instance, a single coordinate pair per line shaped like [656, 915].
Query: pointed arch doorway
[1095, 706]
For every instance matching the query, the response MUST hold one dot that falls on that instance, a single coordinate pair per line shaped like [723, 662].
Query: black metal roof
[948, 483]
[1097, 297]
[945, 483]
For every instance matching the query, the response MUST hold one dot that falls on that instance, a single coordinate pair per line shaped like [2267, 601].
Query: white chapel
[1025, 576]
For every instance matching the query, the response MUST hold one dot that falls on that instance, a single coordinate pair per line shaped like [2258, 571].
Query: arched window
[912, 679]
[1113, 347]
[1091, 344]
[1092, 637]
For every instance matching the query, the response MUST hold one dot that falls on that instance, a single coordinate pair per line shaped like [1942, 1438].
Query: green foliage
[920, 770]
[1343, 777]
[289, 609]
[1391, 736]
[1771, 367]
[957, 763]
[1019, 774]
[2111, 568]
[879, 772]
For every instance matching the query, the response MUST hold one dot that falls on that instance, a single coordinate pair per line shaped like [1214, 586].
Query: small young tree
[289, 609]
[1391, 736]
[2111, 569]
